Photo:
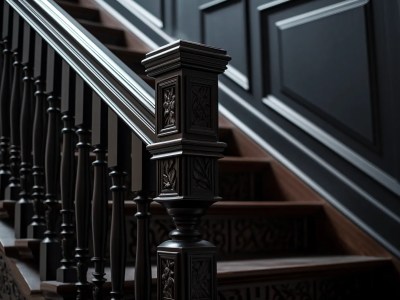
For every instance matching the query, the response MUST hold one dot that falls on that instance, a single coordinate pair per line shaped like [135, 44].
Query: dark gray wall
[319, 82]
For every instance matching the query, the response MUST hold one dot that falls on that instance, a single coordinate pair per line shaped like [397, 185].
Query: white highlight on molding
[320, 13]
[127, 24]
[271, 4]
[136, 8]
[102, 58]
[332, 143]
[274, 152]
[237, 77]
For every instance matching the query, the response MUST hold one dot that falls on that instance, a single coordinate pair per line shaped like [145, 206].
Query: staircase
[276, 238]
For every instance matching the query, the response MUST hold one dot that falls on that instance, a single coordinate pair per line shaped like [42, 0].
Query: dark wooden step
[132, 58]
[243, 229]
[80, 12]
[244, 178]
[330, 277]
[322, 278]
[105, 34]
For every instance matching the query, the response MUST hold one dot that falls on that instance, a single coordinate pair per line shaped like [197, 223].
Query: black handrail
[123, 90]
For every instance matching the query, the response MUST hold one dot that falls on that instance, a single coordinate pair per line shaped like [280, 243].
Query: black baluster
[38, 226]
[24, 208]
[143, 183]
[100, 193]
[5, 95]
[118, 159]
[186, 154]
[67, 271]
[83, 185]
[13, 188]
[50, 250]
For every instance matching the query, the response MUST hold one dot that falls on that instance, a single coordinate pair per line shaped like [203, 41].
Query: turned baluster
[38, 226]
[24, 208]
[67, 270]
[13, 188]
[118, 159]
[5, 94]
[186, 154]
[143, 184]
[50, 250]
[100, 193]
[83, 185]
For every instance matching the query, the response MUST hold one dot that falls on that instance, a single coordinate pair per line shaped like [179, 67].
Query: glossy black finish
[118, 161]
[38, 226]
[13, 188]
[83, 191]
[186, 155]
[24, 208]
[50, 250]
[67, 271]
[100, 194]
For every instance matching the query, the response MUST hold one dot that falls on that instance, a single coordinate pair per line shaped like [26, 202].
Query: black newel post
[186, 154]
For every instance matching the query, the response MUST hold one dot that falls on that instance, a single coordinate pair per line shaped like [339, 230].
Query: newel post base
[186, 270]
[186, 152]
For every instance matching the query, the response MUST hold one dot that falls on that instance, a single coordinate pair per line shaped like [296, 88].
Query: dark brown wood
[24, 207]
[100, 193]
[67, 271]
[13, 188]
[50, 250]
[5, 94]
[118, 161]
[83, 112]
[186, 154]
[38, 226]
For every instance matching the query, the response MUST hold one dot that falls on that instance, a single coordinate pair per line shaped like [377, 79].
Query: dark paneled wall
[316, 81]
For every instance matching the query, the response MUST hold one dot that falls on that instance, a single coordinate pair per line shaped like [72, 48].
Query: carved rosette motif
[201, 278]
[169, 175]
[167, 278]
[201, 105]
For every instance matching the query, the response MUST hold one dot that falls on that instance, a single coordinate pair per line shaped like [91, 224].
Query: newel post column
[186, 154]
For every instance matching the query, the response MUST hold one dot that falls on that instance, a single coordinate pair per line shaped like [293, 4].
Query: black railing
[79, 99]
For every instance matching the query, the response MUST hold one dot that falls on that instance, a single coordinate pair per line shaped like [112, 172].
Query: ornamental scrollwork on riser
[338, 287]
[239, 237]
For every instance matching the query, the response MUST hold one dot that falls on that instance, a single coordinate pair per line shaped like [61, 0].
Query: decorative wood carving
[185, 152]
[8, 288]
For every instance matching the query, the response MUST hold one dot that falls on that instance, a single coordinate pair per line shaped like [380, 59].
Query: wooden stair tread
[245, 208]
[266, 268]
[275, 266]
[105, 34]
[79, 12]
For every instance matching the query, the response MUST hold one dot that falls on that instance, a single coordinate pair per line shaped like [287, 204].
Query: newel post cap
[183, 54]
